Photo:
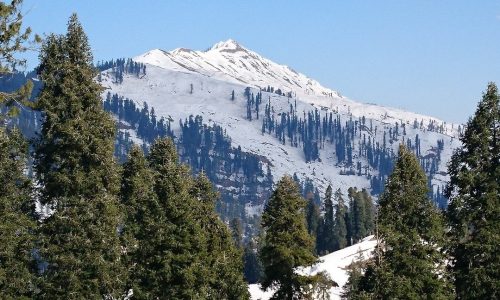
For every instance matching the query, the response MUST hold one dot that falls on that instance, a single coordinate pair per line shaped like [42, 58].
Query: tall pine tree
[286, 245]
[172, 261]
[340, 228]
[326, 239]
[77, 175]
[139, 202]
[408, 263]
[14, 39]
[474, 208]
[17, 221]
[224, 259]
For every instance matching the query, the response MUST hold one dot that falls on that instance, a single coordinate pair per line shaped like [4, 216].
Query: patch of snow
[334, 264]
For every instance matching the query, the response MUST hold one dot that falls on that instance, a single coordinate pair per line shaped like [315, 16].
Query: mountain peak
[230, 45]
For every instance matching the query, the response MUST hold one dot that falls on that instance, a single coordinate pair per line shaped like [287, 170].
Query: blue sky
[427, 56]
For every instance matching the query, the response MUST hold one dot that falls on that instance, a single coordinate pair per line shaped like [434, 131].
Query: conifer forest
[220, 174]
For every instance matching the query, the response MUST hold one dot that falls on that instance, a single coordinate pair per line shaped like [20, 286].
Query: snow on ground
[184, 82]
[334, 264]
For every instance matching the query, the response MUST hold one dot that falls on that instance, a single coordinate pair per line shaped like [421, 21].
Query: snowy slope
[334, 264]
[184, 82]
[229, 61]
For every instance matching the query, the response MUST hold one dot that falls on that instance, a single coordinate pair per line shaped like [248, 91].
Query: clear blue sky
[427, 56]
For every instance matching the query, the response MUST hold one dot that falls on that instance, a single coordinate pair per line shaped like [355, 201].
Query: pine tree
[236, 232]
[339, 227]
[224, 260]
[369, 212]
[313, 217]
[408, 262]
[286, 244]
[252, 268]
[474, 208]
[139, 201]
[16, 219]
[358, 217]
[172, 261]
[327, 241]
[14, 39]
[77, 174]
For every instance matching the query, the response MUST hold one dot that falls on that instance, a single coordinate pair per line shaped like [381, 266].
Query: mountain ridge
[327, 139]
[219, 62]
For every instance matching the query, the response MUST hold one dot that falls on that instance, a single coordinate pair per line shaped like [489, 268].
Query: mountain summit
[230, 61]
[228, 46]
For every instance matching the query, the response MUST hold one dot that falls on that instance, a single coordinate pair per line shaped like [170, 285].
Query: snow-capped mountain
[229, 61]
[221, 85]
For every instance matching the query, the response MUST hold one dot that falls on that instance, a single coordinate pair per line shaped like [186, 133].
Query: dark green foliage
[358, 283]
[326, 238]
[252, 266]
[170, 261]
[286, 243]
[339, 227]
[360, 216]
[139, 202]
[13, 40]
[16, 219]
[77, 175]
[224, 260]
[177, 247]
[236, 232]
[408, 262]
[474, 208]
[313, 217]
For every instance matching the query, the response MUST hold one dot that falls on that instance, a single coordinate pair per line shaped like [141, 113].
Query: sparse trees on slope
[77, 175]
[474, 208]
[286, 245]
[408, 263]
[16, 219]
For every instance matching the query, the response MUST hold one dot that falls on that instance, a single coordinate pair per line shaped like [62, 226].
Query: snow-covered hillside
[334, 264]
[229, 61]
[184, 82]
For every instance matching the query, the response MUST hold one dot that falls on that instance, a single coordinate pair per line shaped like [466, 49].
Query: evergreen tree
[139, 202]
[339, 227]
[327, 238]
[236, 232]
[224, 259]
[14, 39]
[313, 217]
[172, 260]
[77, 175]
[358, 217]
[408, 262]
[369, 212]
[16, 219]
[252, 266]
[286, 244]
[474, 208]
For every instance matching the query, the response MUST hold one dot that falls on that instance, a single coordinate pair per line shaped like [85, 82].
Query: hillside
[287, 121]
